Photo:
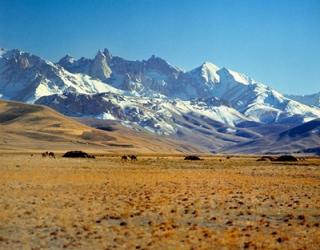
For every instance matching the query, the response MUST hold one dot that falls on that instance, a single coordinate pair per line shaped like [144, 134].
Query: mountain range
[209, 106]
[312, 100]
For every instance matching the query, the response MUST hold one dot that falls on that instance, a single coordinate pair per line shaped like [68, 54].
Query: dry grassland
[158, 203]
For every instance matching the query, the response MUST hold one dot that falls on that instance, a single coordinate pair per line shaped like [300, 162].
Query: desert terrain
[158, 202]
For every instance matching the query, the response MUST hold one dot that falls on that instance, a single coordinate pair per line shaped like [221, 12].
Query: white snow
[106, 116]
[209, 72]
[241, 78]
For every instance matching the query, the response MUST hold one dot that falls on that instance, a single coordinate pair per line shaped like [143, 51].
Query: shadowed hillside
[304, 138]
[25, 127]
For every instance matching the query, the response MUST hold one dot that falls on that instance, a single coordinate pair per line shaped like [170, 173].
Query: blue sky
[273, 41]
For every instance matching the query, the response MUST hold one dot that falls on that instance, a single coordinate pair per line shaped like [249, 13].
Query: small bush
[286, 158]
[192, 158]
[77, 154]
[87, 135]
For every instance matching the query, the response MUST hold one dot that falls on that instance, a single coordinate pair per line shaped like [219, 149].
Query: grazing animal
[133, 157]
[124, 158]
[48, 154]
[51, 154]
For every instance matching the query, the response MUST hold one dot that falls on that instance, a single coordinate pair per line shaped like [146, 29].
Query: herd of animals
[48, 154]
[81, 154]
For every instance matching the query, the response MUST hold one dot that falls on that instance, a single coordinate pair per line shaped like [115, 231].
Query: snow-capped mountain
[205, 122]
[26, 77]
[311, 100]
[143, 77]
[215, 104]
[255, 100]
[154, 114]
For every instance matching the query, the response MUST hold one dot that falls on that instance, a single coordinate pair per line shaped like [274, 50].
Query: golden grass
[158, 203]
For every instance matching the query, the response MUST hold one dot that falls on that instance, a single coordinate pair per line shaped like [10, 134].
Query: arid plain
[158, 202]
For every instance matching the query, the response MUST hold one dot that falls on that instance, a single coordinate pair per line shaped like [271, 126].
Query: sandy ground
[158, 203]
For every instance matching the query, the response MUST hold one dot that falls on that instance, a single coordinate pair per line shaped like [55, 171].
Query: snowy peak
[210, 72]
[209, 66]
[107, 54]
[228, 75]
[18, 59]
[160, 65]
[99, 67]
[99, 56]
[207, 72]
[67, 59]
[26, 77]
